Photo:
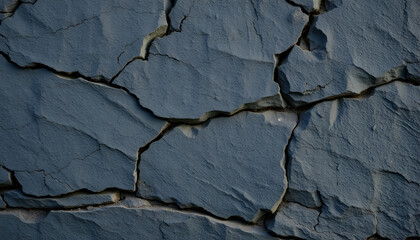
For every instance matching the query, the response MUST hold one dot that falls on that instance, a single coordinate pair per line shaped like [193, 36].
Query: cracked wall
[189, 119]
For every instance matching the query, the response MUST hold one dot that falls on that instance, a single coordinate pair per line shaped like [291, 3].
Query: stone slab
[230, 167]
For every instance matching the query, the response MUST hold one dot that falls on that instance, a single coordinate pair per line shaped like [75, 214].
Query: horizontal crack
[347, 95]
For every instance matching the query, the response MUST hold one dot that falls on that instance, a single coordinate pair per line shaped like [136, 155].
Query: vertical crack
[148, 40]
[254, 24]
[168, 126]
[320, 211]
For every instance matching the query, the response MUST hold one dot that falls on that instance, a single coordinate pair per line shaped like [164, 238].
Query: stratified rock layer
[95, 38]
[230, 167]
[362, 157]
[18, 199]
[61, 135]
[122, 223]
[353, 48]
[221, 57]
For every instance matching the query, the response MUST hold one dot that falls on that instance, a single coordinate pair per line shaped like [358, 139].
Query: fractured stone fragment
[292, 219]
[95, 38]
[7, 7]
[221, 57]
[134, 202]
[362, 156]
[352, 48]
[339, 221]
[309, 5]
[5, 177]
[396, 205]
[2, 203]
[16, 198]
[305, 198]
[413, 71]
[230, 167]
[61, 135]
[123, 223]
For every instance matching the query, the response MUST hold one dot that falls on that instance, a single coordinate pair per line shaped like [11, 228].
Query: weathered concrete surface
[122, 223]
[230, 167]
[353, 47]
[221, 57]
[62, 135]
[95, 38]
[362, 157]
[17, 199]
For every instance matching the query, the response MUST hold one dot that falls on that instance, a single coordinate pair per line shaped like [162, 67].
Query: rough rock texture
[6, 7]
[95, 38]
[134, 202]
[352, 49]
[122, 223]
[213, 61]
[230, 167]
[309, 5]
[204, 119]
[5, 178]
[18, 199]
[362, 157]
[2, 203]
[293, 219]
[63, 135]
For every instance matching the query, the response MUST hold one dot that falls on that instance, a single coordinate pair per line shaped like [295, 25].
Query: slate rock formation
[188, 119]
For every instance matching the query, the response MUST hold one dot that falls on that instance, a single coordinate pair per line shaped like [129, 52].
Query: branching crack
[168, 126]
[183, 19]
[123, 51]
[320, 213]
[317, 88]
[350, 95]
